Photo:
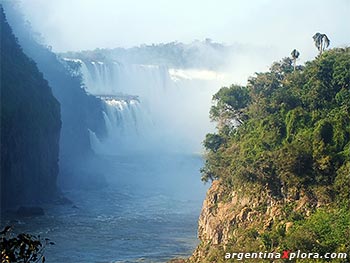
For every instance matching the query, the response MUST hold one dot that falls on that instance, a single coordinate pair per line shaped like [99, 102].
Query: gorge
[129, 156]
[103, 150]
[148, 107]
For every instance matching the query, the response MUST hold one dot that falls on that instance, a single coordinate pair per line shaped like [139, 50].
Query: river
[147, 212]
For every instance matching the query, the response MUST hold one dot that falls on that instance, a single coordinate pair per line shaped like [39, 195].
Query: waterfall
[149, 106]
[128, 126]
[95, 142]
[117, 78]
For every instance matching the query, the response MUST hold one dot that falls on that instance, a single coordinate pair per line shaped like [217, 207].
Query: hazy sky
[284, 24]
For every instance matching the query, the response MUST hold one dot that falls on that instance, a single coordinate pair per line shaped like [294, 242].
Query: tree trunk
[294, 63]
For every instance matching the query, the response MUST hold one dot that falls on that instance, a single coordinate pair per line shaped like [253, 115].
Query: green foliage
[293, 137]
[291, 127]
[23, 248]
[213, 142]
[342, 184]
[324, 231]
[229, 103]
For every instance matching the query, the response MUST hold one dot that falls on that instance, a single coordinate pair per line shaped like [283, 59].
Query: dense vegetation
[287, 133]
[30, 127]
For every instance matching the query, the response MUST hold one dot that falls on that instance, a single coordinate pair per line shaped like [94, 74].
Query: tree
[213, 142]
[228, 104]
[321, 41]
[23, 248]
[295, 54]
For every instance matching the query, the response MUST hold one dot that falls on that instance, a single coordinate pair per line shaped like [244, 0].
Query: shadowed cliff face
[30, 127]
[80, 112]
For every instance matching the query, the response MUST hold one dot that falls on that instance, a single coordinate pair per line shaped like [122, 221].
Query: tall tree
[321, 41]
[295, 54]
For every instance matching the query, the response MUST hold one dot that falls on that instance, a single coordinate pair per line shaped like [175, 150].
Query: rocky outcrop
[229, 220]
[283, 172]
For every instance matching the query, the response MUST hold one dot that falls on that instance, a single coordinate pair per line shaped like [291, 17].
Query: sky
[88, 24]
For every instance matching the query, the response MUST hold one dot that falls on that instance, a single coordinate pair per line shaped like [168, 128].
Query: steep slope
[280, 162]
[80, 111]
[30, 127]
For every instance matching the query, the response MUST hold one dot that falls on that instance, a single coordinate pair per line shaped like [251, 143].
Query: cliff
[30, 128]
[236, 223]
[280, 164]
[80, 111]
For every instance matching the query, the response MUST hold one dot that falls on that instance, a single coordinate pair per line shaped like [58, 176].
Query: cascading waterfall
[121, 117]
[127, 124]
[117, 78]
[149, 107]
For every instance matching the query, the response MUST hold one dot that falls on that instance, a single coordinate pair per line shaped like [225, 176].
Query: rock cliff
[280, 179]
[232, 222]
[80, 112]
[30, 128]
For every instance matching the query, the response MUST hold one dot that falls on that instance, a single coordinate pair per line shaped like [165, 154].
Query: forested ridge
[198, 54]
[280, 161]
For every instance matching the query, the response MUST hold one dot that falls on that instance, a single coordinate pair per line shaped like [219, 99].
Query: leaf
[6, 229]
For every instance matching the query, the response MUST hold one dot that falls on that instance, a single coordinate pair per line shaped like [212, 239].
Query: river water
[148, 212]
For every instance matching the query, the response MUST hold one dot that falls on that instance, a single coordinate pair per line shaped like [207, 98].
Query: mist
[135, 82]
[261, 32]
[131, 23]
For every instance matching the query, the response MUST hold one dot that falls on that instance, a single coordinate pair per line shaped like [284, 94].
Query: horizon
[118, 24]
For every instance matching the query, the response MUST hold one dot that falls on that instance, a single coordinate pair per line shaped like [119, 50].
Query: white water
[150, 107]
[115, 78]
[150, 205]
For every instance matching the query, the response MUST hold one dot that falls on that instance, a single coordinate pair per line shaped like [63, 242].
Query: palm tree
[295, 54]
[321, 41]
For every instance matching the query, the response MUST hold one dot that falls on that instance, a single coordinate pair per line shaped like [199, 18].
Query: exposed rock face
[227, 217]
[30, 128]
[210, 224]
